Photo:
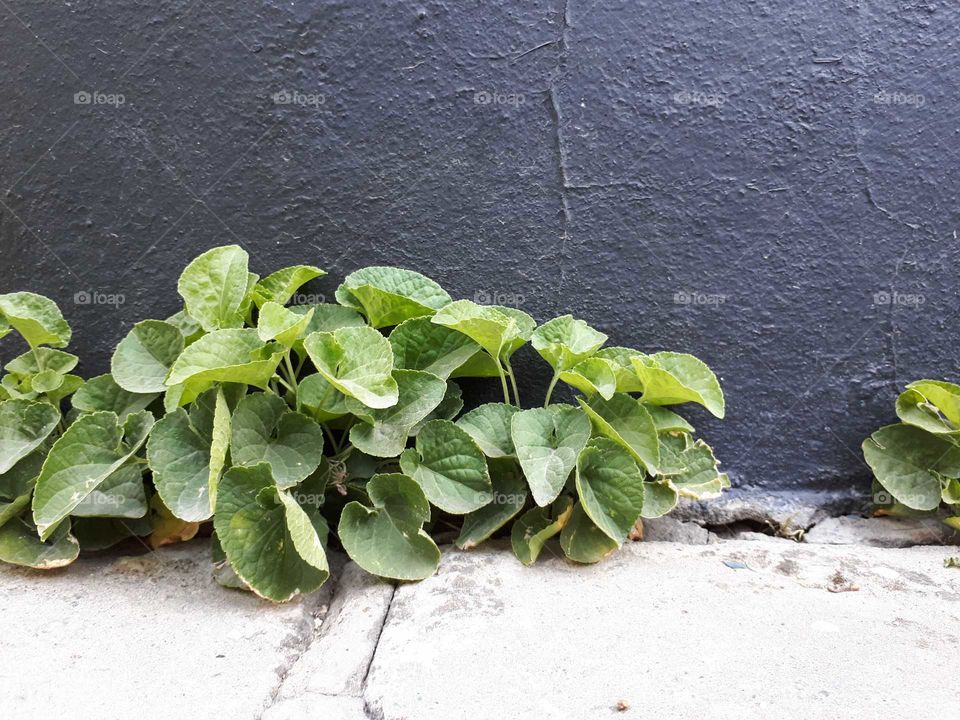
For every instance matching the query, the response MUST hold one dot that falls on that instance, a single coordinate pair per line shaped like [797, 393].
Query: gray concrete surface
[732, 629]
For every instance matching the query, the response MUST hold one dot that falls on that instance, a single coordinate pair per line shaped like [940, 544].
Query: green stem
[291, 373]
[503, 383]
[330, 436]
[553, 384]
[513, 382]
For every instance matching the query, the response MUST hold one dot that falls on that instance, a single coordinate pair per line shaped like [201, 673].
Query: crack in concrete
[372, 712]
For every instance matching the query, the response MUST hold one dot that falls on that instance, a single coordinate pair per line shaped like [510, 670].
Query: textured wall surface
[770, 185]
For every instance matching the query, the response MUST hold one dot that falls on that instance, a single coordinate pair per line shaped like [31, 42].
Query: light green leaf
[16, 485]
[931, 405]
[224, 356]
[907, 461]
[46, 381]
[565, 342]
[582, 541]
[121, 494]
[525, 325]
[509, 497]
[610, 486]
[42, 358]
[214, 287]
[188, 327]
[24, 425]
[252, 526]
[547, 442]
[448, 409]
[37, 319]
[143, 358]
[356, 361]
[384, 433]
[449, 467]
[698, 477]
[388, 295]
[87, 453]
[321, 400]
[490, 427]
[70, 384]
[388, 540]
[19, 545]
[102, 393]
[669, 378]
[626, 421]
[667, 420]
[480, 365]
[282, 324]
[304, 533]
[327, 317]
[592, 376]
[532, 530]
[281, 285]
[493, 330]
[264, 429]
[219, 443]
[419, 344]
[620, 359]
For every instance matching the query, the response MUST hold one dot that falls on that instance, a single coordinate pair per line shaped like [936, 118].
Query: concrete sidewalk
[732, 629]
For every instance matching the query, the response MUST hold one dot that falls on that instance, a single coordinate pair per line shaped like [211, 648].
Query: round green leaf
[489, 426]
[388, 295]
[626, 421]
[357, 361]
[37, 319]
[669, 378]
[388, 540]
[565, 341]
[610, 486]
[449, 467]
[214, 287]
[547, 442]
[419, 344]
[19, 545]
[143, 358]
[320, 399]
[509, 497]
[24, 425]
[102, 393]
[582, 541]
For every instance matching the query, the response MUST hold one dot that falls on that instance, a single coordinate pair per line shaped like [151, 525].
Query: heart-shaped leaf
[565, 341]
[419, 344]
[593, 376]
[388, 295]
[255, 527]
[102, 393]
[280, 286]
[24, 425]
[384, 433]
[532, 529]
[39, 359]
[87, 453]
[282, 324]
[931, 405]
[449, 467]
[626, 421]
[19, 545]
[264, 429]
[321, 400]
[620, 360]
[547, 442]
[610, 486]
[214, 287]
[582, 541]
[356, 361]
[388, 540]
[497, 330]
[907, 461]
[143, 358]
[509, 497]
[669, 378]
[37, 319]
[490, 426]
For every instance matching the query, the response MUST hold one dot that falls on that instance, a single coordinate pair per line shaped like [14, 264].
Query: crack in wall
[562, 177]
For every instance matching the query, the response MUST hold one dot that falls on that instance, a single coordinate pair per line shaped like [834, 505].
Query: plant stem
[553, 384]
[513, 382]
[330, 436]
[503, 383]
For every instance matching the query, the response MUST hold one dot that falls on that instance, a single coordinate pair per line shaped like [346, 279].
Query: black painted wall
[770, 185]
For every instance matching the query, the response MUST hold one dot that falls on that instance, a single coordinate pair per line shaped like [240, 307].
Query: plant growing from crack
[277, 423]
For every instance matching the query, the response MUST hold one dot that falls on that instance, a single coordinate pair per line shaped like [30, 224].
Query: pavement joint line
[371, 712]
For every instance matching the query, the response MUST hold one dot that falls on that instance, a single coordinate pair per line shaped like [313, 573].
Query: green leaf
[532, 530]
[659, 498]
[582, 541]
[280, 286]
[282, 324]
[102, 393]
[592, 376]
[388, 540]
[626, 421]
[37, 319]
[224, 356]
[42, 358]
[16, 485]
[253, 525]
[698, 477]
[24, 425]
[669, 378]
[495, 331]
[96, 533]
[907, 461]
[305, 534]
[419, 344]
[667, 420]
[87, 453]
[219, 443]
[449, 467]
[356, 361]
[489, 426]
[70, 384]
[565, 342]
[327, 317]
[121, 495]
[480, 365]
[143, 358]
[509, 497]
[620, 359]
[448, 409]
[264, 429]
[388, 295]
[188, 327]
[931, 405]
[46, 381]
[547, 442]
[384, 433]
[19, 545]
[610, 486]
[214, 287]
[320, 399]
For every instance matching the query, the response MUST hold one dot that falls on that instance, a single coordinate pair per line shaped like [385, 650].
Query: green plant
[279, 422]
[916, 462]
